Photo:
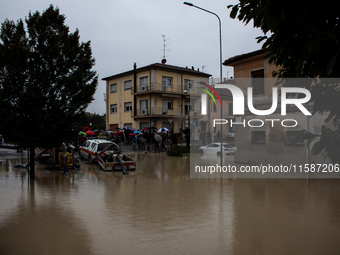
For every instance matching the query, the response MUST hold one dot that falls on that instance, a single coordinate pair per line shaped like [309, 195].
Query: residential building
[227, 113]
[271, 142]
[157, 95]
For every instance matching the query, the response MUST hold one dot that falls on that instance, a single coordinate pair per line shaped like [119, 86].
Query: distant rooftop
[242, 57]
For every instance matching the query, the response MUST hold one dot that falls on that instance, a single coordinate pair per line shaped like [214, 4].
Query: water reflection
[159, 209]
[286, 216]
[34, 220]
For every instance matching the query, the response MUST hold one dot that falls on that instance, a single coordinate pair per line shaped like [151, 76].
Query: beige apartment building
[157, 95]
[269, 143]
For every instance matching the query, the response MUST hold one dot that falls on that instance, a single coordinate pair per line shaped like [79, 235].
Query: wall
[275, 150]
[119, 98]
[155, 98]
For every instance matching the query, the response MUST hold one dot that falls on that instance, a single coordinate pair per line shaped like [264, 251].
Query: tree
[97, 121]
[46, 81]
[303, 39]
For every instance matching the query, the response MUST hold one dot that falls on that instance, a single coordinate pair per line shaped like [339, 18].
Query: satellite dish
[163, 61]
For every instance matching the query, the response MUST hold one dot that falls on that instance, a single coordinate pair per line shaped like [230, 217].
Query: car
[215, 149]
[107, 154]
[91, 148]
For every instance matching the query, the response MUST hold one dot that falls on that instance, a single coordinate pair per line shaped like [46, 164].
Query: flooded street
[159, 209]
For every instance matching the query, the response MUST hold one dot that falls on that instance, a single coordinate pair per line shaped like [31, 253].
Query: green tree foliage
[303, 39]
[97, 121]
[46, 81]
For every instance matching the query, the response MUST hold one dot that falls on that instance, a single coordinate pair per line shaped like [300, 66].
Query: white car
[215, 149]
[92, 148]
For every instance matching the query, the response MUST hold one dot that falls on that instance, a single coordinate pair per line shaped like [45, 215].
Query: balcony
[163, 88]
[156, 112]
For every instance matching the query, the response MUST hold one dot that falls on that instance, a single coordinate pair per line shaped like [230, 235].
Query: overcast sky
[126, 31]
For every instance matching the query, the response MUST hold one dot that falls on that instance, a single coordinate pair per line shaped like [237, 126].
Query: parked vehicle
[107, 154]
[215, 149]
[91, 148]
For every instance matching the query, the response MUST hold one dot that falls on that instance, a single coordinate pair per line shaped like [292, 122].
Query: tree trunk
[32, 162]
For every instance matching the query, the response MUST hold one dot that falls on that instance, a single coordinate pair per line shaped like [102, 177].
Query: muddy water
[159, 210]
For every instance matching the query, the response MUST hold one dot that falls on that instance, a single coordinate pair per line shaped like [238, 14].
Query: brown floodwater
[159, 209]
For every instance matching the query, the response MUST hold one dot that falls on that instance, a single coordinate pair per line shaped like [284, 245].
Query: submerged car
[91, 148]
[108, 155]
[215, 149]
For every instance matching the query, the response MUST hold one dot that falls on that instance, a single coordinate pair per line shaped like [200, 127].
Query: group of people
[150, 140]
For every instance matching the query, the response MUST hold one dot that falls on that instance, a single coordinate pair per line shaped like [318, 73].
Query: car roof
[100, 141]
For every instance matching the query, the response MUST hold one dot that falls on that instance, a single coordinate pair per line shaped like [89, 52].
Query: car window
[102, 146]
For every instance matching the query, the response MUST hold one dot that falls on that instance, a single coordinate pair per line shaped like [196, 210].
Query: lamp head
[186, 3]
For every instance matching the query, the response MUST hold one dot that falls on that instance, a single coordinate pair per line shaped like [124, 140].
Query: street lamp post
[219, 25]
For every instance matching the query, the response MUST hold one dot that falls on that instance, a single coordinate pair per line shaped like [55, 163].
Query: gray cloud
[124, 32]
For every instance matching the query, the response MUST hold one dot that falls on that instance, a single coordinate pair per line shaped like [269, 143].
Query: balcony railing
[143, 112]
[161, 87]
[156, 111]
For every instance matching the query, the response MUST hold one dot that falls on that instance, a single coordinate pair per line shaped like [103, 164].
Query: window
[128, 125]
[166, 82]
[144, 109]
[257, 83]
[101, 146]
[127, 85]
[113, 88]
[258, 136]
[113, 108]
[294, 137]
[167, 105]
[189, 106]
[214, 145]
[144, 82]
[128, 107]
[188, 84]
[170, 105]
[230, 109]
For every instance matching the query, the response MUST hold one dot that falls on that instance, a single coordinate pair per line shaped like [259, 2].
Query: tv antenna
[164, 49]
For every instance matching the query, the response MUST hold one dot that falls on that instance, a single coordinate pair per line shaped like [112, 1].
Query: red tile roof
[242, 57]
